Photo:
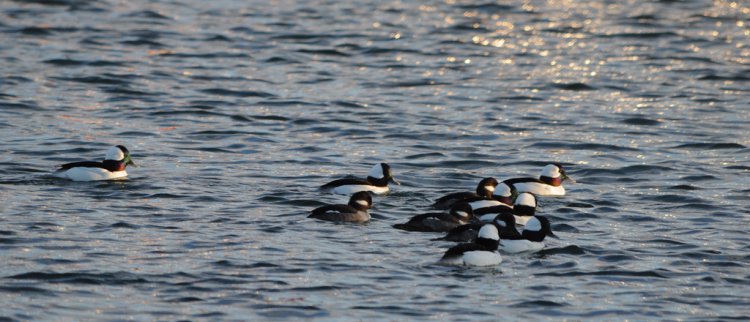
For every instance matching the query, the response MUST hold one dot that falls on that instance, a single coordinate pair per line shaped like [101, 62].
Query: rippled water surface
[237, 110]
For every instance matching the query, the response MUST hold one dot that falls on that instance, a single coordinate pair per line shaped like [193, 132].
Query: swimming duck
[355, 211]
[113, 167]
[485, 189]
[531, 239]
[482, 252]
[504, 222]
[376, 182]
[523, 208]
[549, 182]
[460, 214]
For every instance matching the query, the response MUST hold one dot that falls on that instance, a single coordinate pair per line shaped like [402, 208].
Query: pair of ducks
[501, 234]
[361, 200]
[118, 158]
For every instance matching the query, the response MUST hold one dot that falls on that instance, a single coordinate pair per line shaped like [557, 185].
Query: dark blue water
[237, 110]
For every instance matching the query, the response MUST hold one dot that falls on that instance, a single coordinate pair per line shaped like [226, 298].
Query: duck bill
[566, 177]
[129, 161]
[550, 234]
[394, 181]
[513, 194]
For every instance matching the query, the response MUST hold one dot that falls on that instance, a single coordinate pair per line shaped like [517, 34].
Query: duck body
[487, 194]
[460, 214]
[482, 252]
[376, 182]
[513, 246]
[463, 233]
[350, 186]
[445, 202]
[504, 222]
[487, 214]
[113, 167]
[531, 238]
[89, 173]
[536, 187]
[355, 211]
[549, 182]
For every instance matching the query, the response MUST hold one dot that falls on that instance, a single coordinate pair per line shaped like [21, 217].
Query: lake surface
[235, 111]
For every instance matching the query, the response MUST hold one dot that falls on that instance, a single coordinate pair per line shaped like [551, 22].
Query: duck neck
[535, 236]
[381, 182]
[551, 181]
[506, 200]
[510, 233]
[489, 244]
[114, 165]
[356, 205]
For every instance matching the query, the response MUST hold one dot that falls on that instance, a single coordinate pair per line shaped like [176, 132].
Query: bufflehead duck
[113, 167]
[523, 208]
[532, 236]
[376, 182]
[485, 189]
[460, 214]
[482, 252]
[504, 222]
[501, 199]
[355, 211]
[548, 184]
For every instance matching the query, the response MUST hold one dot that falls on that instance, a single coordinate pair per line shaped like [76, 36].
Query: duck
[355, 211]
[482, 252]
[460, 214]
[501, 199]
[524, 207]
[376, 182]
[113, 167]
[531, 238]
[485, 189]
[549, 182]
[490, 193]
[504, 222]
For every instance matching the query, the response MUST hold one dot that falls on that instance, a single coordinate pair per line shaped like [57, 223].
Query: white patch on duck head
[377, 171]
[462, 214]
[526, 199]
[363, 203]
[502, 190]
[533, 225]
[114, 153]
[489, 231]
[551, 171]
[491, 189]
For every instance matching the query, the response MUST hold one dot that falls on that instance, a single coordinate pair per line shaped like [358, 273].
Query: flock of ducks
[484, 221]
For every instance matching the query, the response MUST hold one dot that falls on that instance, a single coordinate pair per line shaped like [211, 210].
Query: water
[237, 110]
